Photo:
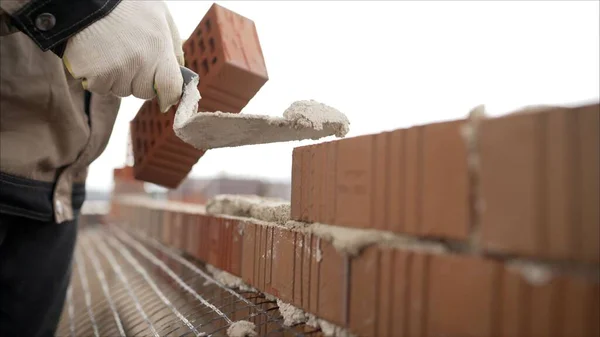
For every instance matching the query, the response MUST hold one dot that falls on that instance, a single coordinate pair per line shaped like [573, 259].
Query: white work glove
[135, 50]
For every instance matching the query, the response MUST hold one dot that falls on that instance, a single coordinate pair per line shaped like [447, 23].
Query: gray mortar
[250, 206]
[242, 329]
[349, 241]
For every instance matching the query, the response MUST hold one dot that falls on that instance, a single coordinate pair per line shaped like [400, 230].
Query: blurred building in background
[199, 190]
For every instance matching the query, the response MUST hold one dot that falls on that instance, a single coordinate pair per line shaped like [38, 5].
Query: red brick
[176, 229]
[539, 178]
[312, 183]
[298, 270]
[283, 274]
[231, 65]
[269, 261]
[385, 294]
[236, 248]
[225, 241]
[354, 182]
[319, 182]
[588, 141]
[296, 195]
[306, 181]
[380, 180]
[261, 257]
[166, 233]
[204, 238]
[248, 252]
[332, 284]
[306, 271]
[508, 149]
[417, 300]
[461, 300]
[512, 314]
[413, 170]
[192, 235]
[215, 242]
[395, 181]
[160, 157]
[364, 299]
[580, 309]
[543, 310]
[562, 306]
[315, 264]
[445, 185]
[401, 293]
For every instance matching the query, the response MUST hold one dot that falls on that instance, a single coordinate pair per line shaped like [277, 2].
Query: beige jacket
[49, 131]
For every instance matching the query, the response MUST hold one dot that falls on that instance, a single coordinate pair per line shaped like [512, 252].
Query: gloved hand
[134, 50]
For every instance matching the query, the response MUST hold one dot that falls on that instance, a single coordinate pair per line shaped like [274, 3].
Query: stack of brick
[417, 234]
[225, 51]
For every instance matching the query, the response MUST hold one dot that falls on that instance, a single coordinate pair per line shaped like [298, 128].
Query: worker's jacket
[50, 128]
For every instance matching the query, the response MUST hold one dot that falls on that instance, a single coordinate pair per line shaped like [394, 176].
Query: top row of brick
[536, 186]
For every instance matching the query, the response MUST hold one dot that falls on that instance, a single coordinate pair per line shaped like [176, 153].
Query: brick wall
[414, 233]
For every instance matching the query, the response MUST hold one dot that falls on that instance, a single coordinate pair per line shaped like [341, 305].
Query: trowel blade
[211, 130]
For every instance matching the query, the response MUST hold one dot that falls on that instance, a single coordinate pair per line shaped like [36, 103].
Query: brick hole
[152, 143]
[199, 32]
[211, 44]
[138, 144]
[158, 127]
[195, 66]
[192, 49]
[167, 122]
[151, 127]
[143, 127]
[214, 60]
[205, 67]
[208, 26]
[202, 46]
[146, 148]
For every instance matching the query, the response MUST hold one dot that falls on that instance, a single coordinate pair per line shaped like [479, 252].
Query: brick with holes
[225, 51]
[160, 157]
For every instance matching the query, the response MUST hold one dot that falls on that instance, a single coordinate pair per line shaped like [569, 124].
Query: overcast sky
[393, 64]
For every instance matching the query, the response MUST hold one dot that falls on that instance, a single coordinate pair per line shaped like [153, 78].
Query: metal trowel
[211, 130]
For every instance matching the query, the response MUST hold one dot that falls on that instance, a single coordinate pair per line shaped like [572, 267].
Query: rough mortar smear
[315, 115]
[188, 105]
[242, 329]
[293, 315]
[250, 206]
[229, 280]
[328, 329]
[535, 275]
[302, 120]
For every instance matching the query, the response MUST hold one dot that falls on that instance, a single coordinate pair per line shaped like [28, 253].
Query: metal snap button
[45, 22]
[59, 207]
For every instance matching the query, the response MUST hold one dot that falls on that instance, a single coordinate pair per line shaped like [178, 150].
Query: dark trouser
[35, 269]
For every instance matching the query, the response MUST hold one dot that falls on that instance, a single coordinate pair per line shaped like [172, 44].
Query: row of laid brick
[225, 51]
[538, 179]
[382, 291]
